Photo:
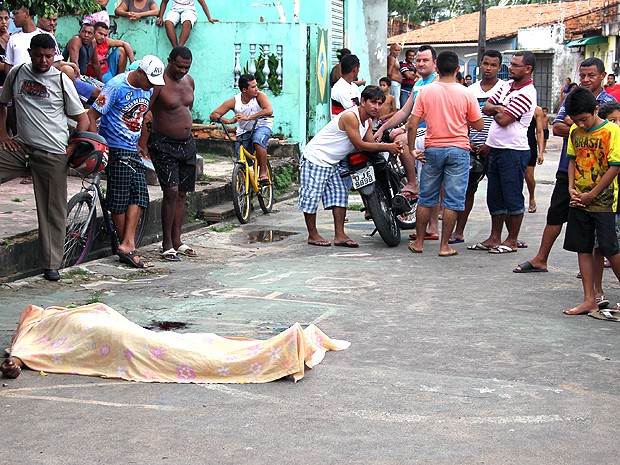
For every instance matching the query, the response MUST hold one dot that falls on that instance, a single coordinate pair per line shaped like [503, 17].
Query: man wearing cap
[121, 105]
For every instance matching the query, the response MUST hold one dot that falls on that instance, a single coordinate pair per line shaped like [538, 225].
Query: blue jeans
[448, 166]
[260, 136]
[505, 181]
[404, 95]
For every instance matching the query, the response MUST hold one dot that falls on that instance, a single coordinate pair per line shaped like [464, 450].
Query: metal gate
[337, 32]
[543, 74]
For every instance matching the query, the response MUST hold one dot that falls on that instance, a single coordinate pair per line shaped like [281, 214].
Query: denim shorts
[261, 136]
[505, 181]
[448, 166]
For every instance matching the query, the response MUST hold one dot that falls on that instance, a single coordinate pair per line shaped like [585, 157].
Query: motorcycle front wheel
[383, 217]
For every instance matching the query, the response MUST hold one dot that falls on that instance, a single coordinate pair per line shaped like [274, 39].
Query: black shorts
[126, 181]
[473, 186]
[533, 156]
[174, 161]
[582, 228]
[557, 214]
[546, 133]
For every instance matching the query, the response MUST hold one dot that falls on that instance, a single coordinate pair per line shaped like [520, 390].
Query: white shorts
[189, 14]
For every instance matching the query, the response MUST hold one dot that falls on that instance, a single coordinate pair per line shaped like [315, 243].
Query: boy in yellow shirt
[594, 163]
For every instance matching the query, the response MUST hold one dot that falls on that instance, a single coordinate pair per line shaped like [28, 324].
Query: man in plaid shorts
[121, 105]
[320, 178]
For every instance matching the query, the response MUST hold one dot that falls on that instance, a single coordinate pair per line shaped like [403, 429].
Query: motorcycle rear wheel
[383, 217]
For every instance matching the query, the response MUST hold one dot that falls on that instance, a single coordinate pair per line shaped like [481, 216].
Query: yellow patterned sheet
[96, 340]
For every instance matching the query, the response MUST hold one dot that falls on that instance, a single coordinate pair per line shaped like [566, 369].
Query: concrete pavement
[453, 360]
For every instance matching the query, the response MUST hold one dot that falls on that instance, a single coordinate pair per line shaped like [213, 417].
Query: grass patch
[211, 156]
[356, 207]
[95, 298]
[223, 229]
[17, 199]
[195, 217]
[204, 178]
[5, 243]
[283, 181]
[74, 272]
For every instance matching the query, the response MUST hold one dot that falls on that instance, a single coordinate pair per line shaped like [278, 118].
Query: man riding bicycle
[249, 106]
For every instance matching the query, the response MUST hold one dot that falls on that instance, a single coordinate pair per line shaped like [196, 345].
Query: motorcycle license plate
[363, 177]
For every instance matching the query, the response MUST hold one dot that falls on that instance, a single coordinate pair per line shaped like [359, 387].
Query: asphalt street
[452, 360]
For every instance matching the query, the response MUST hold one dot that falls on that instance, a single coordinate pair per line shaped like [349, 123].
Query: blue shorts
[261, 136]
[112, 65]
[505, 181]
[447, 166]
[84, 90]
[320, 183]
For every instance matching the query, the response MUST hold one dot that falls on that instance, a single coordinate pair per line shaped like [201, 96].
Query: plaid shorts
[320, 183]
[126, 181]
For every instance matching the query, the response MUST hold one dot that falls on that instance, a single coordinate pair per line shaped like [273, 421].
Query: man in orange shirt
[448, 107]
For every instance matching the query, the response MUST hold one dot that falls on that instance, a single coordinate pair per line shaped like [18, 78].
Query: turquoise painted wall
[300, 110]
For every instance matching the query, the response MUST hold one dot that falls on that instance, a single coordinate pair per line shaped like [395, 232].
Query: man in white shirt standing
[489, 85]
[345, 93]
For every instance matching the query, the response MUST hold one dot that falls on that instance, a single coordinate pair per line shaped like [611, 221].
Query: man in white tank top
[319, 175]
[249, 106]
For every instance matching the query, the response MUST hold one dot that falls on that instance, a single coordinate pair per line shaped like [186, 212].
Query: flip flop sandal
[521, 245]
[606, 314]
[170, 255]
[527, 267]
[187, 251]
[127, 259]
[455, 240]
[348, 243]
[501, 249]
[602, 302]
[479, 246]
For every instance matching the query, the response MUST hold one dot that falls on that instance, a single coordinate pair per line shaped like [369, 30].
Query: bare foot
[11, 367]
[582, 309]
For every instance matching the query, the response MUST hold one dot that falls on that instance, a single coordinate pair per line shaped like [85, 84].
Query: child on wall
[183, 11]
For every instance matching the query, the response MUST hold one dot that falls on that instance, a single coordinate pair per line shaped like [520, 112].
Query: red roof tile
[502, 21]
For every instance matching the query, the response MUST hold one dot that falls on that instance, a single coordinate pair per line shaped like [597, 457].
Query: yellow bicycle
[245, 182]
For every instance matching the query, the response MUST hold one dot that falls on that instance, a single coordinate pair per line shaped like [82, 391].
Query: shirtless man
[173, 149]
[80, 49]
[393, 72]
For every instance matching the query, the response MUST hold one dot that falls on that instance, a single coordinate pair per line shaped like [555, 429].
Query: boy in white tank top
[249, 106]
[319, 175]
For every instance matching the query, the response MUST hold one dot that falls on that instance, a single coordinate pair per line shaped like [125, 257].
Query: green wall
[301, 109]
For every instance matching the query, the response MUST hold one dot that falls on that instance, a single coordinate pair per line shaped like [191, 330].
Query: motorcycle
[379, 178]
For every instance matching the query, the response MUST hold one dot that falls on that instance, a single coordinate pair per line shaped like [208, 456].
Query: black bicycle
[82, 223]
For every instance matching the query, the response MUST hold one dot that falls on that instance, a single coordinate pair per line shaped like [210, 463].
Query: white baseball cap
[154, 69]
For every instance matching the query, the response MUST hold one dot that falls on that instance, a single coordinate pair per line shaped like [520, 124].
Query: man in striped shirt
[512, 109]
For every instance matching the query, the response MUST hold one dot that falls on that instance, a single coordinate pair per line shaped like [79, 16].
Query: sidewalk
[18, 220]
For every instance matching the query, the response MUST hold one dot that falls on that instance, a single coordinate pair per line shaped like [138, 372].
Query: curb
[19, 253]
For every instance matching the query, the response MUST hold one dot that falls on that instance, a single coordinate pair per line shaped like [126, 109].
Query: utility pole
[482, 34]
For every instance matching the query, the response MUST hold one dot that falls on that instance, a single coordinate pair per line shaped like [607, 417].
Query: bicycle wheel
[80, 234]
[141, 227]
[265, 193]
[241, 196]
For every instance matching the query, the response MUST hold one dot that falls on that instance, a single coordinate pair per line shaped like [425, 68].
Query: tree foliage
[421, 11]
[49, 7]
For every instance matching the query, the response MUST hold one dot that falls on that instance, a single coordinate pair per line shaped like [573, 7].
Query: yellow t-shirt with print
[594, 151]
